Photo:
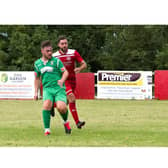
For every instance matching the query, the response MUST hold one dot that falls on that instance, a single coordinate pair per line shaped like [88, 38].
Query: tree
[103, 47]
[162, 58]
[133, 47]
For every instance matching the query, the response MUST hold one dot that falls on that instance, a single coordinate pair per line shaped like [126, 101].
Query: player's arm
[64, 73]
[36, 82]
[63, 79]
[82, 63]
[82, 66]
[36, 86]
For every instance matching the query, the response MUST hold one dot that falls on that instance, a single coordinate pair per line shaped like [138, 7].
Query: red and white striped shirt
[68, 59]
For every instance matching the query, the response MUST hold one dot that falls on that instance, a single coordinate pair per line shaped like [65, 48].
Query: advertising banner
[124, 84]
[16, 85]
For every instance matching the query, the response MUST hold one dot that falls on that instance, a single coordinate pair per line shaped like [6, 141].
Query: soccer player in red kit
[69, 57]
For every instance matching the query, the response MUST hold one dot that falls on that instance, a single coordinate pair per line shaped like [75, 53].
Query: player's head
[63, 43]
[46, 49]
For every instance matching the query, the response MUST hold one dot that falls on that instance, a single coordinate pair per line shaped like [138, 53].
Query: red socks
[72, 107]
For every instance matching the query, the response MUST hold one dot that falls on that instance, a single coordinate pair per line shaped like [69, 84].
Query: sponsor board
[124, 84]
[16, 85]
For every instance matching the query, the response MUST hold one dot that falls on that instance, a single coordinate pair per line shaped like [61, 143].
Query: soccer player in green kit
[53, 75]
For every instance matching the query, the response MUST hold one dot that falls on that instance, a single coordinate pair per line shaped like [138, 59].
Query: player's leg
[61, 105]
[41, 91]
[62, 108]
[73, 109]
[47, 105]
[52, 110]
[70, 87]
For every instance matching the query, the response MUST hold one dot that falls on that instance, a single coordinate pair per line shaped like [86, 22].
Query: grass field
[108, 123]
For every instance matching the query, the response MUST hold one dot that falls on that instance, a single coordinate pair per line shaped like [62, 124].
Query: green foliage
[133, 47]
[162, 58]
[104, 47]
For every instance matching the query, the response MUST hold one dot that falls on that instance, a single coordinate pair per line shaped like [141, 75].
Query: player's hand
[36, 96]
[77, 70]
[60, 83]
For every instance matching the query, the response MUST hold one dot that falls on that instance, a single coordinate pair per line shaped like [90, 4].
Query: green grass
[108, 123]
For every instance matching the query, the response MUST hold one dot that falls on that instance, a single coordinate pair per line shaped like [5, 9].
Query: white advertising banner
[16, 85]
[124, 84]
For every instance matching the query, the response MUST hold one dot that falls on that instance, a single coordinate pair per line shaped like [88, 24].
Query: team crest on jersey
[68, 58]
[52, 63]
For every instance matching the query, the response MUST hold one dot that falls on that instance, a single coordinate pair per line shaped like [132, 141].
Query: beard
[64, 49]
[47, 56]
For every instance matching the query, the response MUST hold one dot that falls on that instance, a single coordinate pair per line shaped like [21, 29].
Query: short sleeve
[36, 71]
[60, 66]
[78, 57]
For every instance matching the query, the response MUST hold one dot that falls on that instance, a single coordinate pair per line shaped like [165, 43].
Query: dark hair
[46, 43]
[61, 38]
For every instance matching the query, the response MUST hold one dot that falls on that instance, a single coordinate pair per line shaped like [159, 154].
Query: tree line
[103, 47]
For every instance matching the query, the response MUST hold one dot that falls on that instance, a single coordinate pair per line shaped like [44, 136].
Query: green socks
[46, 118]
[64, 116]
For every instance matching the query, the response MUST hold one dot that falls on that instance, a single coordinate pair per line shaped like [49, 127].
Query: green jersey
[50, 72]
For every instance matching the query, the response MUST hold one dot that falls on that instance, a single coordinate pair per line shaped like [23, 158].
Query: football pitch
[109, 123]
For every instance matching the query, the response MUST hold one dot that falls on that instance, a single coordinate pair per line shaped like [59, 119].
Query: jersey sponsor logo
[52, 63]
[68, 58]
[46, 69]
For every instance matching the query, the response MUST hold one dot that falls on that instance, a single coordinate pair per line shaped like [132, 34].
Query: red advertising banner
[85, 86]
[161, 84]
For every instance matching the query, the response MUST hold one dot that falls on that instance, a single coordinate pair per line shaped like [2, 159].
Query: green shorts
[54, 94]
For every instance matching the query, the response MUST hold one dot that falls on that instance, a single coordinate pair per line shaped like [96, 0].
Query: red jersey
[68, 59]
